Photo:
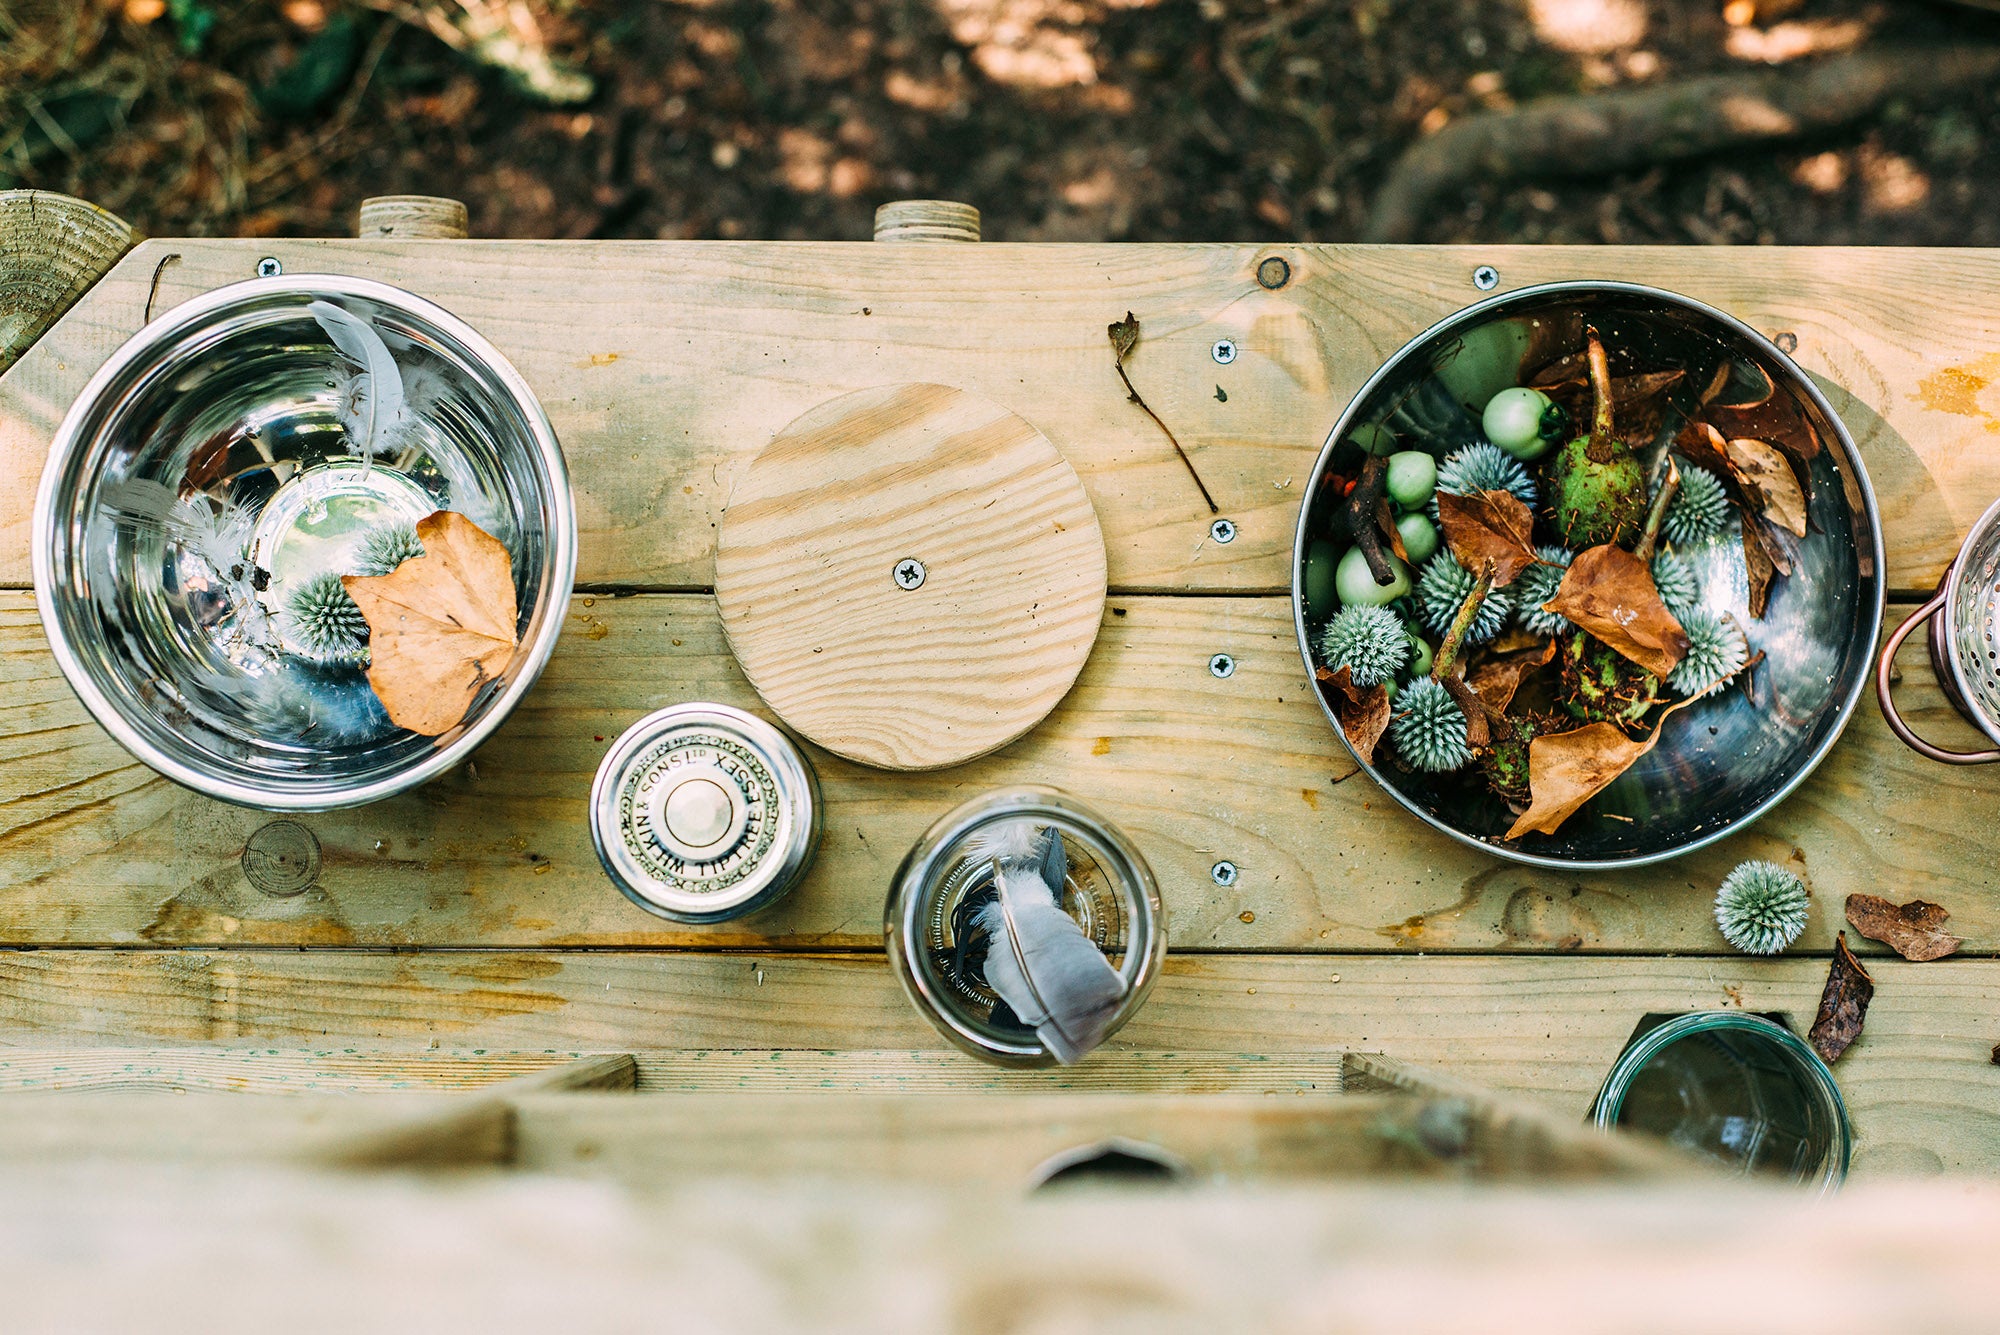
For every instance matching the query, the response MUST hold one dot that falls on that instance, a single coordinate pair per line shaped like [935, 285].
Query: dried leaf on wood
[440, 625]
[1767, 476]
[1567, 769]
[1610, 593]
[1499, 676]
[1914, 930]
[1124, 335]
[1489, 526]
[1842, 1006]
[1363, 712]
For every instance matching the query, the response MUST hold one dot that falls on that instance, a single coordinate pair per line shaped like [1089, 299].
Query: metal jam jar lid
[702, 812]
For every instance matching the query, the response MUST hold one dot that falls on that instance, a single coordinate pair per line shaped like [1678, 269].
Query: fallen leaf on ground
[1124, 335]
[1768, 476]
[1842, 1006]
[1363, 711]
[1914, 930]
[1489, 526]
[1609, 592]
[440, 625]
[1497, 678]
[1567, 769]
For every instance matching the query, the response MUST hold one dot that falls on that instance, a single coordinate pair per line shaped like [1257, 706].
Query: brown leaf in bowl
[1610, 593]
[440, 625]
[1775, 418]
[1497, 677]
[1567, 769]
[1914, 930]
[1363, 711]
[1489, 526]
[1842, 1006]
[1765, 474]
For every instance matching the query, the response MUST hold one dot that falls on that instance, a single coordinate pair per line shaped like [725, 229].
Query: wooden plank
[1015, 1139]
[240, 1070]
[94, 849]
[918, 1071]
[1919, 1082]
[325, 1252]
[664, 367]
[52, 248]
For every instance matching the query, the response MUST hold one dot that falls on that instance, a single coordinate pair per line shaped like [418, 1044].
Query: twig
[1657, 516]
[1125, 337]
[1358, 516]
[1461, 624]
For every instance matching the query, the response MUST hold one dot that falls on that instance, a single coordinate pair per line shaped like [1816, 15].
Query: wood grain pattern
[242, 1070]
[96, 850]
[1010, 575]
[411, 218]
[1919, 1082]
[52, 248]
[665, 367]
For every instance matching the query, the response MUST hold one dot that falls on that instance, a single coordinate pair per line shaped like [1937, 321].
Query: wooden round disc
[807, 574]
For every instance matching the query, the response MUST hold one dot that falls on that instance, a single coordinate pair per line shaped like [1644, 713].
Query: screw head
[1223, 873]
[1223, 530]
[1486, 278]
[1222, 665]
[1224, 351]
[268, 267]
[909, 573]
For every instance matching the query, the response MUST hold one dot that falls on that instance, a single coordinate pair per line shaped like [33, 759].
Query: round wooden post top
[926, 220]
[412, 217]
[52, 248]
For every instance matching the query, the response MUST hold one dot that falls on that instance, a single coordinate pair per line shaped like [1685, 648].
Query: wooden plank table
[472, 914]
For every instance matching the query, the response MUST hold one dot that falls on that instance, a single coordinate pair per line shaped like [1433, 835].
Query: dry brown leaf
[1767, 475]
[1499, 676]
[1363, 712]
[1842, 1006]
[1776, 418]
[1490, 526]
[1609, 592]
[1914, 930]
[440, 625]
[1761, 563]
[1567, 769]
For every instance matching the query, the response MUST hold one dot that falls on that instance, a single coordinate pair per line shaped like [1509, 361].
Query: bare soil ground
[1145, 120]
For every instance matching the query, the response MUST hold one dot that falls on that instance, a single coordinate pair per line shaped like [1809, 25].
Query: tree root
[1609, 132]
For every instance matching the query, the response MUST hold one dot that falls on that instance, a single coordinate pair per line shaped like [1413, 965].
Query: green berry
[1320, 563]
[1420, 655]
[1761, 908]
[1413, 476]
[1419, 535]
[1370, 642]
[1355, 583]
[1513, 421]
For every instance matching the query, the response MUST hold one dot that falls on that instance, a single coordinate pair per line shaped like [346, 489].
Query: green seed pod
[1442, 588]
[1429, 730]
[1538, 584]
[1412, 478]
[1419, 535]
[324, 621]
[1699, 509]
[1761, 908]
[1355, 583]
[1716, 652]
[1370, 642]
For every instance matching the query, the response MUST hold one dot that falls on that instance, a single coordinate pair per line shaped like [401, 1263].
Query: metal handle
[1894, 719]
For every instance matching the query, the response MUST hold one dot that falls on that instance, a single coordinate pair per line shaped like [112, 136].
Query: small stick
[1118, 347]
[1600, 385]
[1461, 624]
[1657, 516]
[1358, 516]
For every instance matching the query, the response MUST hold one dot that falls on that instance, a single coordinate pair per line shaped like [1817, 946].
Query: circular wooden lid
[911, 576]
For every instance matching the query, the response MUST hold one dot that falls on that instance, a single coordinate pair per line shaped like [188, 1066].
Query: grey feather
[356, 341]
[1039, 961]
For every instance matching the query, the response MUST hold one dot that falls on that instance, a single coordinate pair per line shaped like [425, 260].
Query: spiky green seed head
[1597, 492]
[1442, 588]
[386, 548]
[1676, 582]
[324, 622]
[1716, 652]
[1761, 908]
[1698, 509]
[1538, 584]
[1370, 642]
[1429, 730]
[1483, 467]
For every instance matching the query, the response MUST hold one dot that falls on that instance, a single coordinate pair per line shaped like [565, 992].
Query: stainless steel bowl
[204, 474]
[1719, 764]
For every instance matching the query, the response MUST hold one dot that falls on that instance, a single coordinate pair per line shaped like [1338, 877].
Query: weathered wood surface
[665, 367]
[1923, 1091]
[52, 248]
[203, 1250]
[97, 850]
[240, 1070]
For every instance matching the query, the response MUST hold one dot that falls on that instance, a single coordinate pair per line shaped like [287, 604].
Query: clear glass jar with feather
[1025, 927]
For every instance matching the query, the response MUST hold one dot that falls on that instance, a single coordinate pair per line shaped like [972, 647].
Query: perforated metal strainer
[1965, 644]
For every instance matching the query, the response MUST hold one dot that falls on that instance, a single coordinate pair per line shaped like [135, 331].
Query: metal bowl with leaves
[1788, 567]
[222, 473]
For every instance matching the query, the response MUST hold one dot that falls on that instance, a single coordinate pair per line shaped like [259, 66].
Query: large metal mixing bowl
[1725, 761]
[205, 474]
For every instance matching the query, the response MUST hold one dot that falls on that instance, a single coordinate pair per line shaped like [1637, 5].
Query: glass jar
[1108, 891]
[1736, 1089]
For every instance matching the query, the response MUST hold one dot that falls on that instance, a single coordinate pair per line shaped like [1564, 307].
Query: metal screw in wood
[1222, 665]
[909, 573]
[1486, 278]
[1224, 351]
[1223, 873]
[1223, 530]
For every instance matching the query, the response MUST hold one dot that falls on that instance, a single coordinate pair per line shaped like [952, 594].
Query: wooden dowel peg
[926, 220]
[412, 218]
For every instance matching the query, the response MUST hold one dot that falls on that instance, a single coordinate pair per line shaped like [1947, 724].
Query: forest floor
[1143, 120]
